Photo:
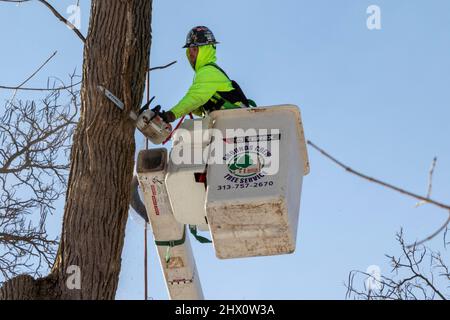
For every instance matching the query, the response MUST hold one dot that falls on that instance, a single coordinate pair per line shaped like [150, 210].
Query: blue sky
[377, 100]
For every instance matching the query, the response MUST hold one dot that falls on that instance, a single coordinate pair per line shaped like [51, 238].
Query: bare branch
[392, 187]
[41, 89]
[56, 14]
[35, 138]
[413, 284]
[63, 20]
[433, 235]
[162, 67]
[384, 184]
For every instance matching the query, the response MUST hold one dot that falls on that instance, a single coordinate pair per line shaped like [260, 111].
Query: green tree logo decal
[242, 162]
[245, 165]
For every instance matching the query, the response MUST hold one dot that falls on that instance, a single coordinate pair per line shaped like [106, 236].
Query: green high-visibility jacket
[207, 81]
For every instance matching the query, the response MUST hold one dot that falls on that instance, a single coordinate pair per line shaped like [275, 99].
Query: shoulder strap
[218, 68]
[237, 88]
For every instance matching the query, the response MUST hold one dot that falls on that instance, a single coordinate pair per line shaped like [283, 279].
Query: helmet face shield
[199, 36]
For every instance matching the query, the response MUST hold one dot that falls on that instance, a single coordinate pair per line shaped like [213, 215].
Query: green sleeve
[208, 80]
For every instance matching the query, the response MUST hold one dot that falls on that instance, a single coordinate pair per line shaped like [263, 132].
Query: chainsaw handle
[156, 112]
[146, 106]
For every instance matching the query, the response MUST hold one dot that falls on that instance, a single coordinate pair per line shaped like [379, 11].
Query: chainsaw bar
[117, 102]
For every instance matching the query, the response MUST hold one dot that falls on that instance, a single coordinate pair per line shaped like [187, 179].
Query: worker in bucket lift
[211, 89]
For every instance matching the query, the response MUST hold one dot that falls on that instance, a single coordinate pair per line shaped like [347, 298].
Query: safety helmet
[199, 36]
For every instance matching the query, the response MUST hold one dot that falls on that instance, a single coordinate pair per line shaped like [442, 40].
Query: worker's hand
[167, 116]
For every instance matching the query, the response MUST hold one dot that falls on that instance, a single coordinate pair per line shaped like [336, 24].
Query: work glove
[167, 116]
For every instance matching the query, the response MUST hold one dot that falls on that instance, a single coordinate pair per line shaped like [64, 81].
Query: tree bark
[116, 56]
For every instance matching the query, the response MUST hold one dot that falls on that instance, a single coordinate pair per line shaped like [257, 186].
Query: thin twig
[37, 70]
[33, 74]
[162, 67]
[430, 182]
[445, 238]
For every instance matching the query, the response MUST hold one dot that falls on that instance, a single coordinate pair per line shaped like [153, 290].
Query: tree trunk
[116, 56]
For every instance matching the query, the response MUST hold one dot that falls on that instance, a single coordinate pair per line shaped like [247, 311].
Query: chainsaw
[148, 121]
